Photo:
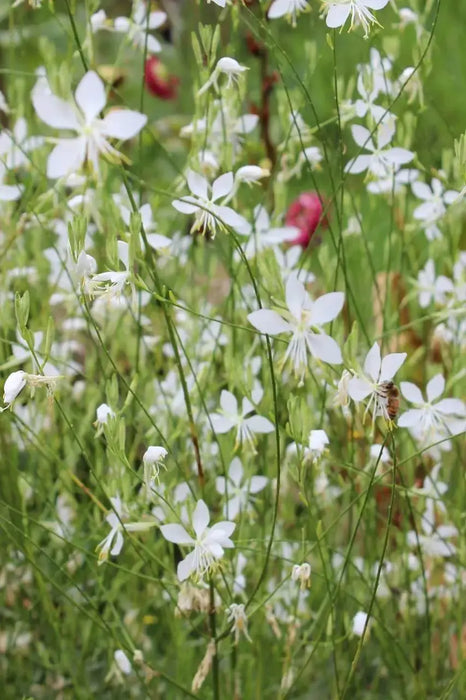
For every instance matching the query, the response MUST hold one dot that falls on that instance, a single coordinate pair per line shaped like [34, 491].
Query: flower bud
[14, 384]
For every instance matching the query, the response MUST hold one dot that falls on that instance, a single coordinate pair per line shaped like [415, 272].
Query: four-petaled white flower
[82, 116]
[208, 544]
[208, 215]
[288, 8]
[304, 318]
[230, 416]
[382, 161]
[237, 490]
[372, 383]
[359, 11]
[431, 421]
[137, 26]
[434, 206]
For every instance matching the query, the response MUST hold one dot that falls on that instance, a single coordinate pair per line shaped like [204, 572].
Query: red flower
[158, 81]
[306, 214]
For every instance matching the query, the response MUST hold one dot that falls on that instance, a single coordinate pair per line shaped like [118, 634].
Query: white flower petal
[220, 423]
[184, 207]
[201, 517]
[358, 165]
[235, 472]
[358, 389]
[54, 111]
[228, 402]
[411, 392]
[270, 322]
[435, 387]
[257, 483]
[451, 407]
[222, 186]
[198, 185]
[259, 424]
[410, 418]
[231, 218]
[327, 307]
[391, 364]
[362, 136]
[186, 566]
[296, 296]
[372, 362]
[324, 348]
[90, 96]
[176, 533]
[67, 157]
[123, 124]
[337, 15]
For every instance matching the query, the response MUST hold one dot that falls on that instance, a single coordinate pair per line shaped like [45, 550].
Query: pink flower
[158, 81]
[306, 214]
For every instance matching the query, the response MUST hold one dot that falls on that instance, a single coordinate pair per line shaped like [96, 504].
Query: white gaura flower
[434, 206]
[432, 288]
[303, 318]
[372, 382]
[288, 8]
[208, 215]
[137, 26]
[432, 420]
[228, 67]
[382, 161]
[359, 11]
[208, 543]
[264, 235]
[237, 489]
[82, 116]
[231, 416]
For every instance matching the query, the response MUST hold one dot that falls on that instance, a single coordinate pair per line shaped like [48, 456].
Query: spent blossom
[208, 543]
[237, 615]
[302, 573]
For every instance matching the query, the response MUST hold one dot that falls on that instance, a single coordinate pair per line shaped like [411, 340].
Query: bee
[389, 391]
